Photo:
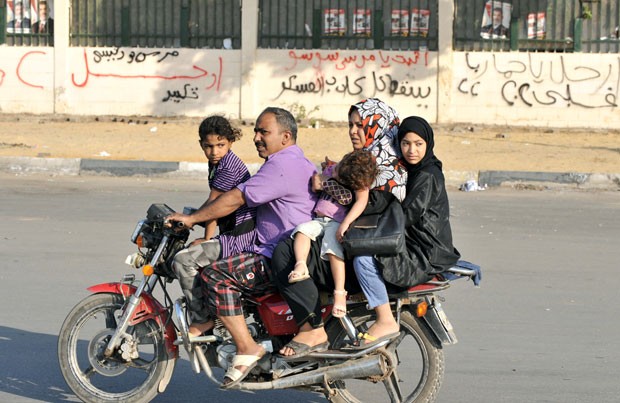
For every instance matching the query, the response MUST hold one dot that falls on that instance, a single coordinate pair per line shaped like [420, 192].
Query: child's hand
[342, 229]
[327, 163]
[317, 182]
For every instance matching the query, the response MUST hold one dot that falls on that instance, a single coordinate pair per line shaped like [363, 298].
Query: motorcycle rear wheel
[419, 360]
[94, 378]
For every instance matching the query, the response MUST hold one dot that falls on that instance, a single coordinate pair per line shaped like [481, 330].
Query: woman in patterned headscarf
[373, 126]
[428, 236]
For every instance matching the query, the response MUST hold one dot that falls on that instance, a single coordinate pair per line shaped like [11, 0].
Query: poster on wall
[420, 21]
[496, 20]
[361, 21]
[536, 25]
[30, 16]
[335, 23]
[400, 22]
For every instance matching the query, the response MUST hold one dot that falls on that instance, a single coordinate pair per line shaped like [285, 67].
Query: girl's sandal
[298, 275]
[339, 311]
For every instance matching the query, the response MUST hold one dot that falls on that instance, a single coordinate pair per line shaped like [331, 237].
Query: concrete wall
[567, 90]
[515, 88]
[122, 81]
[26, 80]
[332, 80]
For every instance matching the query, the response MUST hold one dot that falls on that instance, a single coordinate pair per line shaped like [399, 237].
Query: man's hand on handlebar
[178, 220]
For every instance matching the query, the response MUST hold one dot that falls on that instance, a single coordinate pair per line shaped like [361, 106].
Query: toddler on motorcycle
[356, 172]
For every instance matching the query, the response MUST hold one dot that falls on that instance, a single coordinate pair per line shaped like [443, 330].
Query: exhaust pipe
[363, 368]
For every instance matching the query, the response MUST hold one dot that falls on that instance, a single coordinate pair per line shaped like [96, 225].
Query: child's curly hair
[357, 170]
[220, 126]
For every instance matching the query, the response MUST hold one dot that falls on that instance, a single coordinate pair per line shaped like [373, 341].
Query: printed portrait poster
[536, 25]
[496, 20]
[400, 22]
[361, 21]
[19, 15]
[335, 23]
[420, 21]
[30, 16]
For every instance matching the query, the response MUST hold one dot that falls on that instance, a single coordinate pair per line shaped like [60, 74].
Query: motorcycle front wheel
[95, 378]
[417, 368]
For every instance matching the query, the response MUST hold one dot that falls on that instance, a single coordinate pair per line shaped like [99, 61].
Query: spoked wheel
[417, 365]
[131, 374]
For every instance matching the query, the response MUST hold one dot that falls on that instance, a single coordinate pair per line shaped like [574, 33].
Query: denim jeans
[371, 280]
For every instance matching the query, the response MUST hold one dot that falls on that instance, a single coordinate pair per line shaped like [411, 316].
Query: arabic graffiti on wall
[350, 74]
[28, 74]
[348, 60]
[157, 66]
[540, 81]
[25, 69]
[354, 85]
[118, 54]
[176, 96]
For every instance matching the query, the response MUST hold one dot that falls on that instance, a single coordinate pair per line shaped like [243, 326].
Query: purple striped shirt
[227, 175]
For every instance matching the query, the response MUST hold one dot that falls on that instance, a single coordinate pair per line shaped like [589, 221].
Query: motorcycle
[121, 342]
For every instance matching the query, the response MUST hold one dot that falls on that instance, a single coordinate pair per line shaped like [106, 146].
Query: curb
[87, 166]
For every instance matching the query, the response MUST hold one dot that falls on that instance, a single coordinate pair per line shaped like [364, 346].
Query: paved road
[542, 328]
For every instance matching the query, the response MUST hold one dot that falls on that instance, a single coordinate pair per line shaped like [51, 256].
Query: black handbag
[378, 233]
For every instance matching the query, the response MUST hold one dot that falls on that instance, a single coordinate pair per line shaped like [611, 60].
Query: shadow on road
[29, 370]
[29, 366]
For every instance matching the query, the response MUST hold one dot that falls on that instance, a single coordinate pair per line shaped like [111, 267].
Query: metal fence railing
[601, 29]
[348, 24]
[156, 23]
[537, 25]
[479, 25]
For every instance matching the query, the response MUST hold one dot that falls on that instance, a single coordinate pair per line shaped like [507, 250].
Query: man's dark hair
[285, 119]
[220, 126]
[498, 9]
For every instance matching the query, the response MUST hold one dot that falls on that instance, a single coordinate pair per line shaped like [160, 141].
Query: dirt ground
[461, 147]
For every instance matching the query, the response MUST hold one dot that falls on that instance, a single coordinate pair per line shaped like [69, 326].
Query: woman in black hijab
[428, 235]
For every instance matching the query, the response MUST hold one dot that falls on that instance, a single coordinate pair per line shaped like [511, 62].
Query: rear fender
[148, 308]
[435, 323]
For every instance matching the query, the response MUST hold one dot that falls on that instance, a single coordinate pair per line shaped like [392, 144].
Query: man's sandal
[301, 350]
[296, 275]
[234, 375]
[339, 311]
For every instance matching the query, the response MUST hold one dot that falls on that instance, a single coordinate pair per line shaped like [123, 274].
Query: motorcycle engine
[227, 350]
[225, 354]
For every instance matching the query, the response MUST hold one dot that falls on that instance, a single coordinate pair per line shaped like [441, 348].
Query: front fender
[148, 308]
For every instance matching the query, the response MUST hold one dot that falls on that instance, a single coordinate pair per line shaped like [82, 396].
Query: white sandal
[296, 276]
[236, 375]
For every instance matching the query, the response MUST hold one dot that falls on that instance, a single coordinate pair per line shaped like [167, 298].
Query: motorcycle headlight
[137, 230]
